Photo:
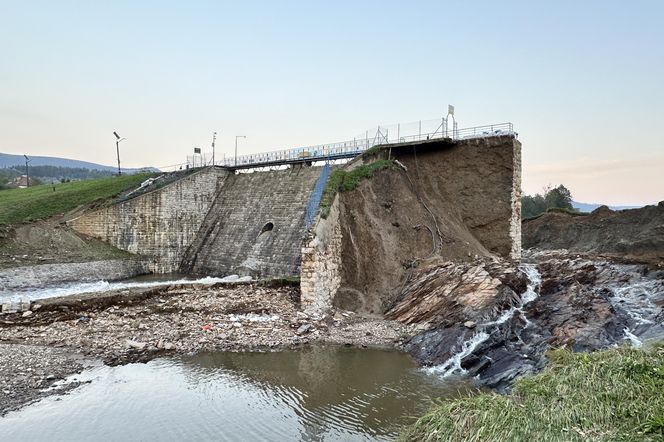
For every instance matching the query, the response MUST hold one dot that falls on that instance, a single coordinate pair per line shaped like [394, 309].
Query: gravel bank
[139, 325]
[27, 371]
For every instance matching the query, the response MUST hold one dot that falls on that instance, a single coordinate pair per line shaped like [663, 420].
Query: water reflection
[320, 393]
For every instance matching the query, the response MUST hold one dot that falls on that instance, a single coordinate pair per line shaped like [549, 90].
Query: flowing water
[145, 281]
[315, 394]
[453, 365]
[636, 298]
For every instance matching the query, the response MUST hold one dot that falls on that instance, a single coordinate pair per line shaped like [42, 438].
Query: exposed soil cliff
[633, 235]
[446, 201]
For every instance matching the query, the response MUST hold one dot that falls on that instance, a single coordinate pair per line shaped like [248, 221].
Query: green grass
[566, 211]
[40, 202]
[372, 150]
[611, 395]
[345, 181]
[286, 281]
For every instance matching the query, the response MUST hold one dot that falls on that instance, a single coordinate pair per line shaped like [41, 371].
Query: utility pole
[214, 137]
[236, 137]
[117, 149]
[27, 170]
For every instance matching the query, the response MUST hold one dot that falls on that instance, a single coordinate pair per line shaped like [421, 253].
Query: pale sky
[582, 81]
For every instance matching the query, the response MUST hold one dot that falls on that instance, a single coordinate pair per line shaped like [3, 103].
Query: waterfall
[632, 338]
[483, 331]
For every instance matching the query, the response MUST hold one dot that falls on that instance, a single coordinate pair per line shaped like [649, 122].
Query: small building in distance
[21, 182]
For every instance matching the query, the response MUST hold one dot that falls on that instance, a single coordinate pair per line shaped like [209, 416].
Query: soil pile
[631, 235]
[49, 242]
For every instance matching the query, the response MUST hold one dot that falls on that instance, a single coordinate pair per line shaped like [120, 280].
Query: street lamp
[117, 149]
[236, 137]
[27, 171]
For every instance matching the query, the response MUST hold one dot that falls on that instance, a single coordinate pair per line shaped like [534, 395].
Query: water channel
[315, 394]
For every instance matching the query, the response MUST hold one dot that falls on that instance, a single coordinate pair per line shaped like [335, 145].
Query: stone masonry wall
[160, 224]
[515, 221]
[320, 275]
[256, 225]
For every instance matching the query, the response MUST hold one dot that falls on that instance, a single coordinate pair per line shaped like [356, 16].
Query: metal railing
[397, 133]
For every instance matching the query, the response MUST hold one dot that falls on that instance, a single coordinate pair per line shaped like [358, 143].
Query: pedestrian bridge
[422, 130]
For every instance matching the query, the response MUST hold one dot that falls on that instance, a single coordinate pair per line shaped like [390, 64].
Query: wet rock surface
[140, 325]
[582, 302]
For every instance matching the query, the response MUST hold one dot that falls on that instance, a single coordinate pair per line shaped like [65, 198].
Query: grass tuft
[616, 395]
[343, 181]
[372, 150]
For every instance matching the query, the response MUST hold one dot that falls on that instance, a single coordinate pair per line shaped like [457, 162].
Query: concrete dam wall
[455, 200]
[213, 222]
[255, 226]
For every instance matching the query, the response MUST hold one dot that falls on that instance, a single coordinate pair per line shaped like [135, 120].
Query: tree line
[551, 198]
[49, 174]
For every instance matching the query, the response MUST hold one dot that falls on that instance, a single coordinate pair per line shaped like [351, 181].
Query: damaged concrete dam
[452, 199]
[414, 246]
[424, 235]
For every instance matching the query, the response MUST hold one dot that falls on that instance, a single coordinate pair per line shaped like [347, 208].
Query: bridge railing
[396, 133]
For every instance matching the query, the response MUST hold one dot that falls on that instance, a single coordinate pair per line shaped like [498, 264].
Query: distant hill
[9, 160]
[586, 207]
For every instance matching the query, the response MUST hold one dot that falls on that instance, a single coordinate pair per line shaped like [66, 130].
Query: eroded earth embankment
[407, 247]
[635, 235]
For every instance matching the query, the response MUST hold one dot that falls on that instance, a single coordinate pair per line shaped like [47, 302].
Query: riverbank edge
[60, 362]
[613, 394]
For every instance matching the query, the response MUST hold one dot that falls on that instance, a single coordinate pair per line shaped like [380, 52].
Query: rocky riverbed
[486, 319]
[480, 320]
[139, 325]
[29, 372]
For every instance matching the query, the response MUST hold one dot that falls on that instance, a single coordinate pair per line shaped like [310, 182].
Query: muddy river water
[316, 394]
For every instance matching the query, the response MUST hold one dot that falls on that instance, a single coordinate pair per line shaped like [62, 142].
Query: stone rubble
[182, 320]
[26, 372]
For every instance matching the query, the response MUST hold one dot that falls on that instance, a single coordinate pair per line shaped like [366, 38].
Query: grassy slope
[40, 202]
[343, 181]
[615, 395]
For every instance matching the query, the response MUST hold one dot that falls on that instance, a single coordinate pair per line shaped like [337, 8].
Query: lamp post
[214, 137]
[27, 171]
[117, 149]
[236, 137]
